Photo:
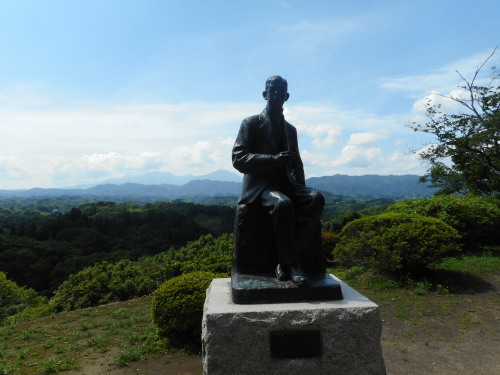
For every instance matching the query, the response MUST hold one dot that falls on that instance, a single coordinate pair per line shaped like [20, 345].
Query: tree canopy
[469, 138]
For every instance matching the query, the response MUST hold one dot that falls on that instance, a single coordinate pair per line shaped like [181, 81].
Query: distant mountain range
[372, 185]
[161, 178]
[223, 183]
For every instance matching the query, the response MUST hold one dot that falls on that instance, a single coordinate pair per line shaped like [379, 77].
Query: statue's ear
[287, 96]
[264, 94]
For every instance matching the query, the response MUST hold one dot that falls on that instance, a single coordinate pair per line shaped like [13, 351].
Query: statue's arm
[299, 167]
[245, 159]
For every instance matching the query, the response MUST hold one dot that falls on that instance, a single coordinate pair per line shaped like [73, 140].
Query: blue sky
[91, 90]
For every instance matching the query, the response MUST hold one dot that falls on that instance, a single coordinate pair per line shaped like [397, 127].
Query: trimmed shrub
[476, 218]
[396, 243]
[177, 307]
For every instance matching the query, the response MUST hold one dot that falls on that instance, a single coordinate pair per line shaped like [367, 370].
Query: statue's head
[276, 91]
[278, 81]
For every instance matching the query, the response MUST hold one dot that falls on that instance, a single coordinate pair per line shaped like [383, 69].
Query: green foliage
[341, 208]
[55, 365]
[17, 212]
[329, 241]
[102, 283]
[446, 179]
[205, 254]
[177, 307]
[32, 313]
[107, 282]
[422, 287]
[476, 218]
[43, 250]
[208, 254]
[470, 138]
[336, 223]
[396, 243]
[15, 299]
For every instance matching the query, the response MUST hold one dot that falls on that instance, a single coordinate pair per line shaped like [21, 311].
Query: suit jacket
[253, 152]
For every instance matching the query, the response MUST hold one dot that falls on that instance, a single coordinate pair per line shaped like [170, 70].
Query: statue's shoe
[281, 273]
[293, 273]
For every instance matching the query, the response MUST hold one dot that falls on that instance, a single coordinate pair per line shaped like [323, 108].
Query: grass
[120, 332]
[59, 364]
[444, 287]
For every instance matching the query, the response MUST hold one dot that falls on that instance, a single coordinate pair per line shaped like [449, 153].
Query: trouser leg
[282, 212]
[309, 204]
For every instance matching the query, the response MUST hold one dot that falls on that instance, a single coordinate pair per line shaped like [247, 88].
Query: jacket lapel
[285, 134]
[266, 127]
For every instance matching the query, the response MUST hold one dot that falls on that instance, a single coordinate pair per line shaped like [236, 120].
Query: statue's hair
[276, 79]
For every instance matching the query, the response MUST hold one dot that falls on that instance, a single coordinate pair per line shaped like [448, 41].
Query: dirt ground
[457, 334]
[465, 342]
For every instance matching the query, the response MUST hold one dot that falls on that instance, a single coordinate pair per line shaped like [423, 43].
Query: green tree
[470, 138]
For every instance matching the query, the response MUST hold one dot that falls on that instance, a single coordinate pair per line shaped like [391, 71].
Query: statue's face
[275, 94]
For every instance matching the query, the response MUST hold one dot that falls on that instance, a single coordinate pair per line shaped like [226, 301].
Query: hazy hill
[161, 178]
[369, 185]
[372, 185]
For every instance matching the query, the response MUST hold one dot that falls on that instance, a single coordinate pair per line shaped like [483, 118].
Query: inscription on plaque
[295, 344]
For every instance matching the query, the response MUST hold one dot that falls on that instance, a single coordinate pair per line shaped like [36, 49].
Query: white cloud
[444, 79]
[41, 145]
[360, 151]
[111, 162]
[366, 138]
[356, 156]
[317, 122]
[363, 154]
[83, 144]
[357, 161]
[201, 156]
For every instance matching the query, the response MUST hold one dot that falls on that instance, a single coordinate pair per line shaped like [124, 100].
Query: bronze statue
[267, 153]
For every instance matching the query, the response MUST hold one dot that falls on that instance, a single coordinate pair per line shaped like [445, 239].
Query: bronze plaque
[295, 344]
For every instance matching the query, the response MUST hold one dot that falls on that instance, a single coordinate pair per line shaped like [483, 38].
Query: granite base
[339, 337]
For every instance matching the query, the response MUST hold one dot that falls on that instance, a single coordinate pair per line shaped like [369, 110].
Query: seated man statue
[267, 153]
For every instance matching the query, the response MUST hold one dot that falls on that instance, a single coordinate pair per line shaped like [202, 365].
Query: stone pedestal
[330, 337]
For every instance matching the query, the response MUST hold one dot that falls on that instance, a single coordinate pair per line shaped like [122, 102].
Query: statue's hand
[286, 158]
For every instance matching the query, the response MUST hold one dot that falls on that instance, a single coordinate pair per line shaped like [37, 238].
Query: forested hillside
[41, 249]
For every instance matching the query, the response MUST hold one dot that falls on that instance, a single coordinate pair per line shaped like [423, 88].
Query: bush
[102, 283]
[329, 241]
[396, 243]
[32, 313]
[107, 282]
[177, 307]
[477, 219]
[207, 254]
[15, 299]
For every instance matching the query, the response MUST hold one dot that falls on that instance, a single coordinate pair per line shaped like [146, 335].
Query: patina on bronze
[277, 229]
